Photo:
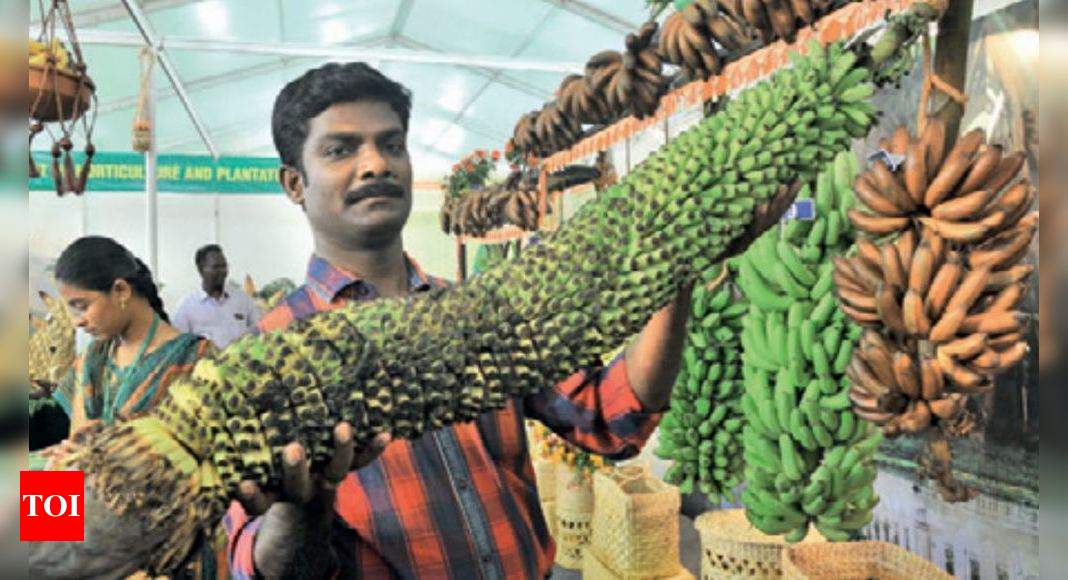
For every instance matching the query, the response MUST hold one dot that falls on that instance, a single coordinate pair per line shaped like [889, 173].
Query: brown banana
[905, 375]
[876, 225]
[870, 253]
[893, 271]
[922, 268]
[947, 408]
[899, 140]
[1001, 322]
[963, 232]
[934, 141]
[956, 164]
[948, 325]
[931, 380]
[915, 172]
[943, 285]
[974, 283]
[967, 347]
[1000, 250]
[888, 184]
[1007, 170]
[889, 309]
[986, 163]
[967, 206]
[916, 321]
[906, 247]
[965, 379]
[1003, 278]
[866, 192]
[1008, 298]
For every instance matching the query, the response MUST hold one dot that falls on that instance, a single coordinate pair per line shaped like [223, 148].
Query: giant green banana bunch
[808, 457]
[408, 366]
[701, 432]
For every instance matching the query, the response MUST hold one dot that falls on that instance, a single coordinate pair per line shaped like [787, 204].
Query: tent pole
[151, 193]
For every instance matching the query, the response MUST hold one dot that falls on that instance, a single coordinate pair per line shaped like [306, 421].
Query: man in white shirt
[217, 310]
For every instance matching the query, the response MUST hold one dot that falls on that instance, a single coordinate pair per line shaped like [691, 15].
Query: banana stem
[951, 62]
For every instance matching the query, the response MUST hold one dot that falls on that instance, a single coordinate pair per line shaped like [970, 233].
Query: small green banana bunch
[808, 457]
[701, 432]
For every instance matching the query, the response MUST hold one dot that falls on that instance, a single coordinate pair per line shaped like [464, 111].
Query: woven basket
[545, 477]
[635, 523]
[594, 569]
[857, 561]
[574, 512]
[548, 509]
[732, 548]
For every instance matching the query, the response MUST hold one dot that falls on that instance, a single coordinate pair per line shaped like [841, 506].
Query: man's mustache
[377, 189]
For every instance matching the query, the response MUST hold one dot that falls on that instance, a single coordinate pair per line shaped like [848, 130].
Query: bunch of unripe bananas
[701, 432]
[941, 300]
[809, 458]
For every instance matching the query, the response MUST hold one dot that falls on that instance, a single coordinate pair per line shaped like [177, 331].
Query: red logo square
[52, 506]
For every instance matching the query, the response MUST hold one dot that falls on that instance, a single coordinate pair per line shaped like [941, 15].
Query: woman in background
[135, 353]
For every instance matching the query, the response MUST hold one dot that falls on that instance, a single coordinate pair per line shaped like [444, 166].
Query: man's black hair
[204, 251]
[317, 90]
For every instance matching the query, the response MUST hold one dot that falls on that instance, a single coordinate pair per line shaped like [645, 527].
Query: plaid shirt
[461, 501]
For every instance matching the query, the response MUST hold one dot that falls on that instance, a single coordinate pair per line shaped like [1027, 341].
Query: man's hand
[765, 216]
[296, 525]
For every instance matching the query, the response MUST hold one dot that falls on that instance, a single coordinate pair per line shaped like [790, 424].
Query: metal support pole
[216, 219]
[151, 193]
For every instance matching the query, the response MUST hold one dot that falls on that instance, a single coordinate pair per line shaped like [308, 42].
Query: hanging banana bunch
[701, 432]
[451, 355]
[809, 458]
[941, 300]
[577, 99]
[688, 36]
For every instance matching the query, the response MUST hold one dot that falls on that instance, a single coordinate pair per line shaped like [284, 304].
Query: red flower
[455, 167]
[496, 155]
[480, 153]
[468, 166]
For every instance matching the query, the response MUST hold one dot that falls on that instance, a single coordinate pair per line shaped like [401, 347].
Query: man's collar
[203, 295]
[329, 280]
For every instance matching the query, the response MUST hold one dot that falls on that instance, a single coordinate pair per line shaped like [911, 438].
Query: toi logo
[52, 506]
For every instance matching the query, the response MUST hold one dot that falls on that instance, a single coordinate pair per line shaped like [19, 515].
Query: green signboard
[174, 173]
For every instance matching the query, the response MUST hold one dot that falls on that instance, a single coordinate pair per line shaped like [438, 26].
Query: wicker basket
[545, 477]
[635, 523]
[548, 509]
[732, 548]
[857, 561]
[594, 569]
[574, 512]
